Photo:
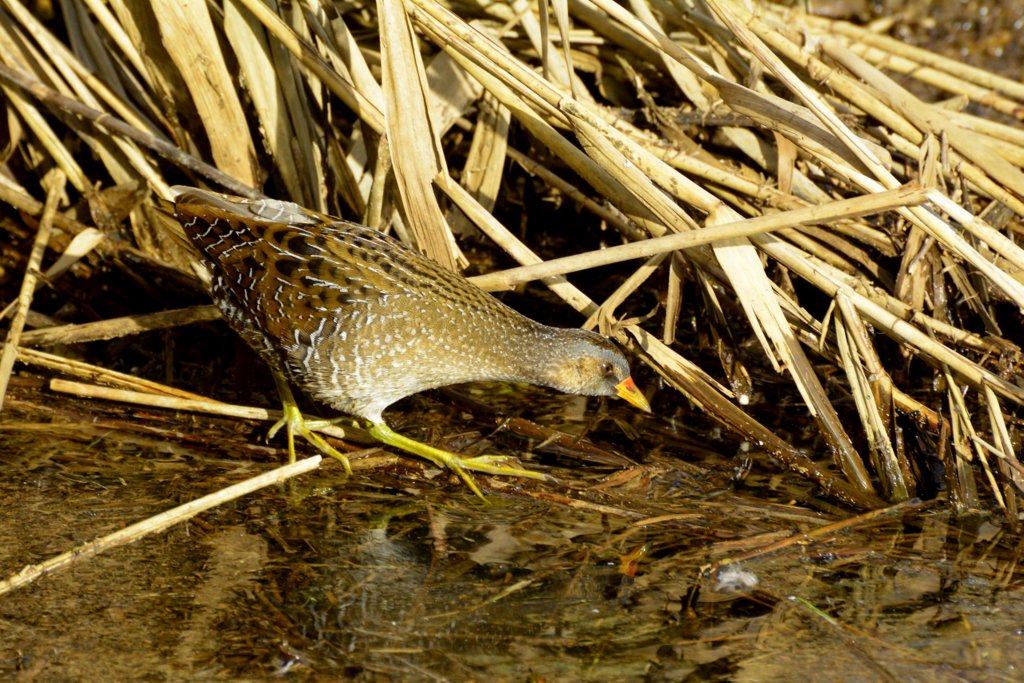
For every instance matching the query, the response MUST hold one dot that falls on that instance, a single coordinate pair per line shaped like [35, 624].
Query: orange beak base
[628, 391]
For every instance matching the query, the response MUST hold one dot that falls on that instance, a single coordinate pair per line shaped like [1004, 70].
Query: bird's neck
[531, 361]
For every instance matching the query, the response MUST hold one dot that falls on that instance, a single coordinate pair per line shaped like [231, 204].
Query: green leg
[442, 458]
[297, 424]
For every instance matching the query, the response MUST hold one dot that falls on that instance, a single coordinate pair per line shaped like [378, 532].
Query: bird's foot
[298, 425]
[442, 458]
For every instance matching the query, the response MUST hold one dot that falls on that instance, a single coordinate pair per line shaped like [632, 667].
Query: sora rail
[358, 320]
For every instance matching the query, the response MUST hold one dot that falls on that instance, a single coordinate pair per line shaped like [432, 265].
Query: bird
[358, 320]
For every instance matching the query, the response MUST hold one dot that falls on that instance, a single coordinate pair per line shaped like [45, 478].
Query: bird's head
[587, 363]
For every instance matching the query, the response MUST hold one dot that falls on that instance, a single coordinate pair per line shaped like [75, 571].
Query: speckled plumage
[358, 320]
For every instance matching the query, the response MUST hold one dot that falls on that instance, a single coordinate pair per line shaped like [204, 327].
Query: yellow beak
[627, 390]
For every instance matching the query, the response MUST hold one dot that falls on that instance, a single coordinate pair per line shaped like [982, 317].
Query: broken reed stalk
[822, 215]
[156, 523]
[28, 284]
[119, 327]
[169, 402]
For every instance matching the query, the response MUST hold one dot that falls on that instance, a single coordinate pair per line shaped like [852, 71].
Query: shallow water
[399, 573]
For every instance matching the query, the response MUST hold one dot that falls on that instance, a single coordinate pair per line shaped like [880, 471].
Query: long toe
[321, 445]
[333, 422]
[491, 464]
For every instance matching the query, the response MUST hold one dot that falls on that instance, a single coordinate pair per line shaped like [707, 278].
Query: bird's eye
[607, 369]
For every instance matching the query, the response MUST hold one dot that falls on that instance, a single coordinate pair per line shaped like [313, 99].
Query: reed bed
[757, 163]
